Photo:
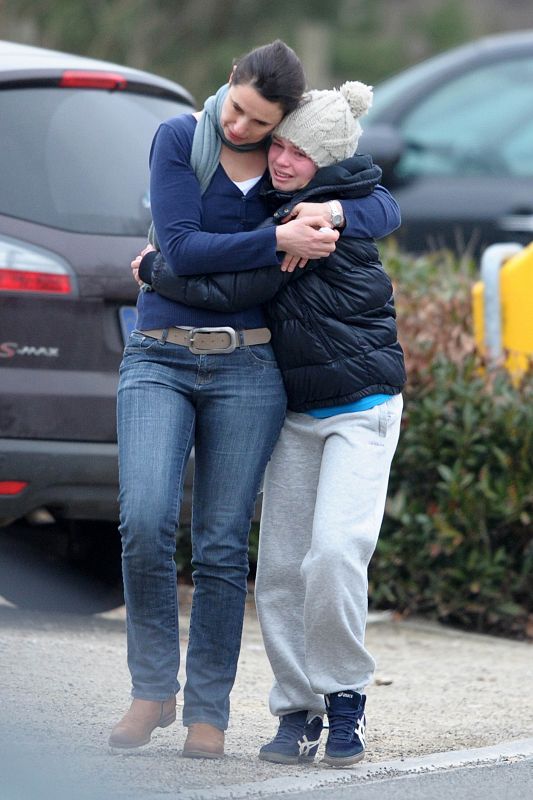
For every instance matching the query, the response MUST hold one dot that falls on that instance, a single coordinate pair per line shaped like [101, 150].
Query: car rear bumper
[71, 479]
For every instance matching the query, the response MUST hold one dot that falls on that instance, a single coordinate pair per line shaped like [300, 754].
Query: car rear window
[77, 159]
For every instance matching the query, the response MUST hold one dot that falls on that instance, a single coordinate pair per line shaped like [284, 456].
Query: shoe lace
[342, 723]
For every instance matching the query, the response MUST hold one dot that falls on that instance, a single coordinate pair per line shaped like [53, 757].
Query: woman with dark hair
[191, 376]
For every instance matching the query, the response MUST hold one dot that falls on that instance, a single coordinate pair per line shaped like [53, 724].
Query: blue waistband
[360, 405]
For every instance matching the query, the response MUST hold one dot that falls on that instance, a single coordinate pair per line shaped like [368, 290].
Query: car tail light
[25, 268]
[12, 487]
[90, 79]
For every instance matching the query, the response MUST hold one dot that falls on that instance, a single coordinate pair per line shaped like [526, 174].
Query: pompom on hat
[326, 123]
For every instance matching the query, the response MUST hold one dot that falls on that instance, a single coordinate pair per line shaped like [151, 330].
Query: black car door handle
[517, 222]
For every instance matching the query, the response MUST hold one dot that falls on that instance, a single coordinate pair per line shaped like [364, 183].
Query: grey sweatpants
[323, 503]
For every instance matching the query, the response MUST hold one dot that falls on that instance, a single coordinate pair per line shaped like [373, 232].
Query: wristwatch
[337, 217]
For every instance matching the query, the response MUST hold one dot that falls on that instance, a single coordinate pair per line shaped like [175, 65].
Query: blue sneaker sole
[281, 758]
[342, 761]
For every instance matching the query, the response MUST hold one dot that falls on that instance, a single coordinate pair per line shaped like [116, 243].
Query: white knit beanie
[325, 124]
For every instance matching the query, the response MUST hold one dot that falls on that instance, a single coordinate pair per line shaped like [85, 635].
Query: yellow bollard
[478, 316]
[516, 295]
[515, 309]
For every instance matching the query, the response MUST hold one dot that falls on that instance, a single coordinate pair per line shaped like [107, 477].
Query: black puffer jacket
[333, 323]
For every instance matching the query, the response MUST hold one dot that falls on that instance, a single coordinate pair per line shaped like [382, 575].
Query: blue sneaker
[347, 723]
[296, 741]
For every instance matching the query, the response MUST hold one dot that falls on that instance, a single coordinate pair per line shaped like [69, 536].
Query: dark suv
[74, 211]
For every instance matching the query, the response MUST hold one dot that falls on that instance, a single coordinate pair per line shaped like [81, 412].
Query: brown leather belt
[204, 341]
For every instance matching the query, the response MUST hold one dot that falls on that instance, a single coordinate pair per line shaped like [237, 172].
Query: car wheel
[68, 567]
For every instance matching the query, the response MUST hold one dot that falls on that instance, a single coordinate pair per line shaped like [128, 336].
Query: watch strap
[335, 210]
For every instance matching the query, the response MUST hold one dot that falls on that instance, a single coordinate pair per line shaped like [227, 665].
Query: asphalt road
[505, 781]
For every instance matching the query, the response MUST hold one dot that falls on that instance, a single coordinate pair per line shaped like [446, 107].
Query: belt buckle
[200, 351]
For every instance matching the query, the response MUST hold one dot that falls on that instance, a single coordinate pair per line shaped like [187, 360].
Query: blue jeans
[231, 407]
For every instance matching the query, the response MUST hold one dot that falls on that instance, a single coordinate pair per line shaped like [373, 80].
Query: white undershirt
[245, 186]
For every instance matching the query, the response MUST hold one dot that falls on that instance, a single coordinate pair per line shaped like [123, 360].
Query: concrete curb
[504, 752]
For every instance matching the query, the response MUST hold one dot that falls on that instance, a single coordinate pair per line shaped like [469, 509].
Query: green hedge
[457, 538]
